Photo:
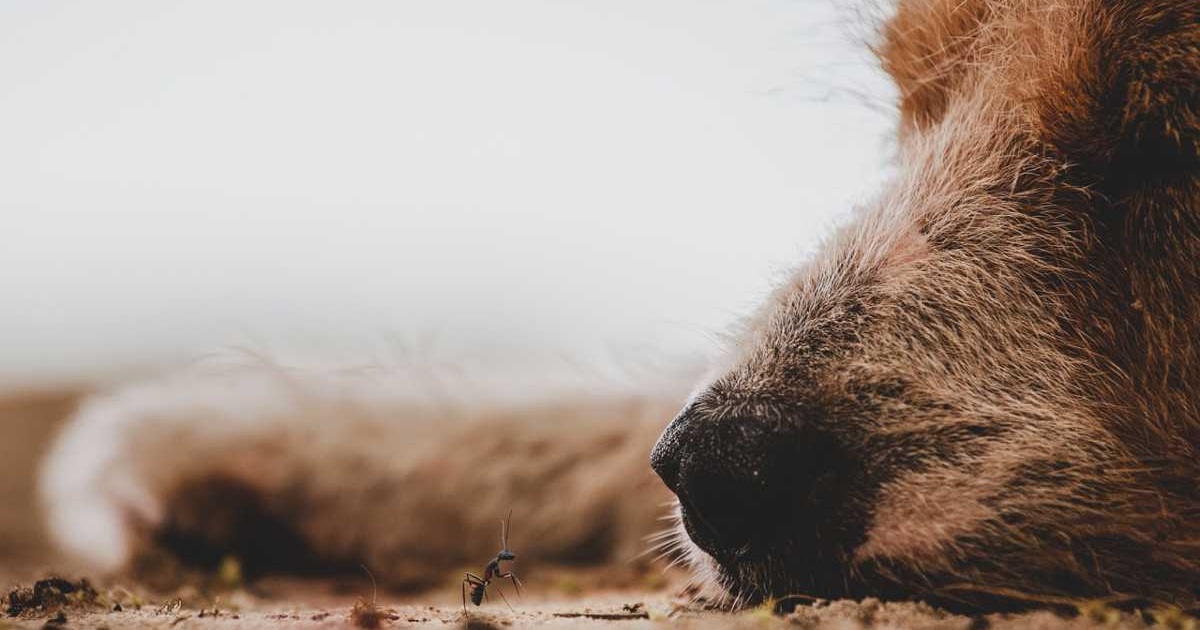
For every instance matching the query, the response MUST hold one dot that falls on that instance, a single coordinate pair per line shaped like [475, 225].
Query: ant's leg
[516, 582]
[510, 608]
[472, 580]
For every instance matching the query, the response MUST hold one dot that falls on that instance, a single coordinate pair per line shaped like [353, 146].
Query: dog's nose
[739, 479]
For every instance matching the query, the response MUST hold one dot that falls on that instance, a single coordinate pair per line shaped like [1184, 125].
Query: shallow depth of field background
[501, 177]
[528, 184]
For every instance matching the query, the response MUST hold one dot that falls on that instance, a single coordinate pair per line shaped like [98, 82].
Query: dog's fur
[1005, 343]
[303, 472]
[1005, 346]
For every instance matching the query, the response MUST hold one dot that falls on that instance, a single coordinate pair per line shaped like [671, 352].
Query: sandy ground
[322, 604]
[575, 597]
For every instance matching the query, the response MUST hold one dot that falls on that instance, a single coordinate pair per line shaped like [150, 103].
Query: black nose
[740, 480]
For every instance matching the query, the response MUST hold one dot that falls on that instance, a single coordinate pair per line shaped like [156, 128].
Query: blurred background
[523, 184]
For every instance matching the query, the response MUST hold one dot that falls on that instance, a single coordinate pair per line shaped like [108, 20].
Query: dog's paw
[106, 482]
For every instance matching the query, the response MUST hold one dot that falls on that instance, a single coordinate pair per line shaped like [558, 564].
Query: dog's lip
[695, 526]
[741, 553]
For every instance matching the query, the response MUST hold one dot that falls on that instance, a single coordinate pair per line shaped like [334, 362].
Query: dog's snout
[667, 453]
[738, 478]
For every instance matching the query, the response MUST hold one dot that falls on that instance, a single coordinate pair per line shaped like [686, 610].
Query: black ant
[492, 571]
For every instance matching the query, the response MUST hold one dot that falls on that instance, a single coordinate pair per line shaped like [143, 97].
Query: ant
[492, 571]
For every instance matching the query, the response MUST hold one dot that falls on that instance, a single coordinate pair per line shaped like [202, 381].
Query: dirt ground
[322, 604]
[573, 597]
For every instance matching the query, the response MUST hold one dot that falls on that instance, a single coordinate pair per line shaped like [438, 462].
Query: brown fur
[1007, 338]
[1004, 345]
[311, 472]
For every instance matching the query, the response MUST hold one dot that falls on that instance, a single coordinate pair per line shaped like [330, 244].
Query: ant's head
[506, 555]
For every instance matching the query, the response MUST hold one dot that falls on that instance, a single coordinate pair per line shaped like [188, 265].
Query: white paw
[103, 482]
[91, 501]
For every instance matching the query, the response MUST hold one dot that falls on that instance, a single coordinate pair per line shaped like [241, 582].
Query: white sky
[505, 177]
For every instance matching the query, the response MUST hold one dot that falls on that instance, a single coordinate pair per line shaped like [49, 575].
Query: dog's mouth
[708, 538]
[806, 549]
[796, 515]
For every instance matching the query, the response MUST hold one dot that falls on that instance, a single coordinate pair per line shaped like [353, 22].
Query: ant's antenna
[374, 587]
[504, 530]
